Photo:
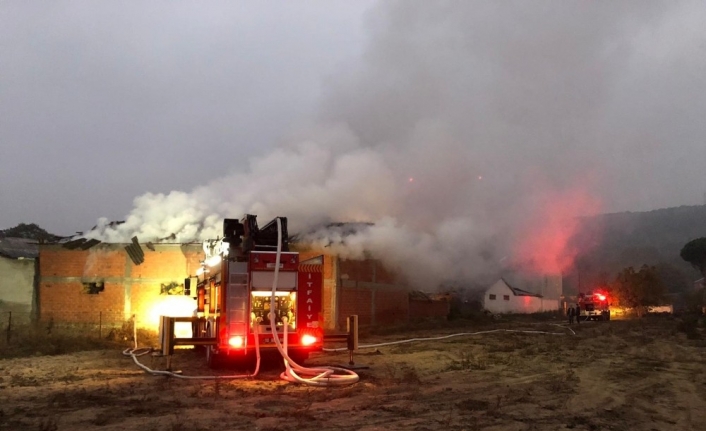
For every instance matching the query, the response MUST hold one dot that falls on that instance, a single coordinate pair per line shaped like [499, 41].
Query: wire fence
[18, 325]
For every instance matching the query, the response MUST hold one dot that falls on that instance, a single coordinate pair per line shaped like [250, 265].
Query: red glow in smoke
[545, 245]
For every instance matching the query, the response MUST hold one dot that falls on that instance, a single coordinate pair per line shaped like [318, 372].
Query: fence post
[100, 324]
[9, 326]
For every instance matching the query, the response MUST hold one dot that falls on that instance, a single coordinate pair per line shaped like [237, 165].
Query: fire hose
[136, 352]
[445, 337]
[314, 376]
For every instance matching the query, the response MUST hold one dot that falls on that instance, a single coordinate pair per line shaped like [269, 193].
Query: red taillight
[601, 297]
[308, 340]
[236, 341]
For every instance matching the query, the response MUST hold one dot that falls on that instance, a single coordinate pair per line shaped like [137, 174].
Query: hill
[611, 242]
[29, 231]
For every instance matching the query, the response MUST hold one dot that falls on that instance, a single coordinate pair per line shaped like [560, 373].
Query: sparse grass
[102, 418]
[543, 382]
[477, 321]
[50, 339]
[689, 325]
[30, 340]
[401, 374]
[48, 424]
[23, 381]
[472, 404]
[467, 361]
[563, 383]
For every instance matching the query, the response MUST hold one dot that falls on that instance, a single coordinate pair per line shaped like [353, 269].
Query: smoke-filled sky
[454, 126]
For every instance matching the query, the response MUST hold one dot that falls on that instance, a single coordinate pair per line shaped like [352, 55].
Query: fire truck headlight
[236, 341]
[308, 340]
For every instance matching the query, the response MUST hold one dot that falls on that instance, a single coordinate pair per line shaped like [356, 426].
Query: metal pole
[100, 324]
[352, 337]
[9, 326]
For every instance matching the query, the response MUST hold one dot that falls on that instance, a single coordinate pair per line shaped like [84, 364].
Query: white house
[503, 298]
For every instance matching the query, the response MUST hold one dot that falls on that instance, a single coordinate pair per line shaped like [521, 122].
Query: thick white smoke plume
[470, 134]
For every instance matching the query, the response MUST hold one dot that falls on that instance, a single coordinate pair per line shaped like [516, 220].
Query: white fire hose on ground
[136, 352]
[445, 337]
[317, 376]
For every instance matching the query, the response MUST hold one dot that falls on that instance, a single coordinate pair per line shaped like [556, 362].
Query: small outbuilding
[501, 298]
[18, 270]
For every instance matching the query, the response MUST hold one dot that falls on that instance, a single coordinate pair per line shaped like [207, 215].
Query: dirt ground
[618, 375]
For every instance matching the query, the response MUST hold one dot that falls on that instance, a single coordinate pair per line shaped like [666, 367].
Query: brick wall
[69, 303]
[369, 290]
[362, 287]
[128, 288]
[59, 262]
[355, 301]
[391, 306]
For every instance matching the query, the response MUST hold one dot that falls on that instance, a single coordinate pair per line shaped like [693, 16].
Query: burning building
[87, 281]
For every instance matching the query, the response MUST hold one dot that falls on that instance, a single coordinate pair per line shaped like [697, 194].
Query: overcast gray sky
[450, 124]
[101, 102]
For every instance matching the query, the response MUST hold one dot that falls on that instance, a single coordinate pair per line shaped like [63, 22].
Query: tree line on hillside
[609, 243]
[646, 287]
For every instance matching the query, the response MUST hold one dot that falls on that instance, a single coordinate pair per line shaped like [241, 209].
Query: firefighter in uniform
[570, 313]
[578, 313]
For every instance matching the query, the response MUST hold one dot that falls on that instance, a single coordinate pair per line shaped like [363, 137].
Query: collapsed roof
[19, 248]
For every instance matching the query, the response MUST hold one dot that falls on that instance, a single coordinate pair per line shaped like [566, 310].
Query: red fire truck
[233, 290]
[594, 306]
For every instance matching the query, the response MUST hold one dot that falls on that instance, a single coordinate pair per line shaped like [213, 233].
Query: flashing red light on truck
[308, 340]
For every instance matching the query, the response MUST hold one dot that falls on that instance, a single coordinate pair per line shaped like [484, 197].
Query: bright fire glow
[265, 293]
[308, 340]
[213, 260]
[601, 297]
[172, 306]
[236, 341]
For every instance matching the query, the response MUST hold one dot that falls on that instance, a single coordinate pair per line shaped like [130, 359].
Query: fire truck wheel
[213, 359]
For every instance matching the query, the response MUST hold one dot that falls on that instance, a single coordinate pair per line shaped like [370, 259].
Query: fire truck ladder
[237, 315]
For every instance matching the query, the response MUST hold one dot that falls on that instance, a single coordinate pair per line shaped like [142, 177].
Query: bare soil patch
[618, 375]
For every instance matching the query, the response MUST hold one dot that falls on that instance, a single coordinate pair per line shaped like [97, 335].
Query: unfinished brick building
[96, 283]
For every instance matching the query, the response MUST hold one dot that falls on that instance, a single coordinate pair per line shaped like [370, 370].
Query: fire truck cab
[594, 306]
[234, 288]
